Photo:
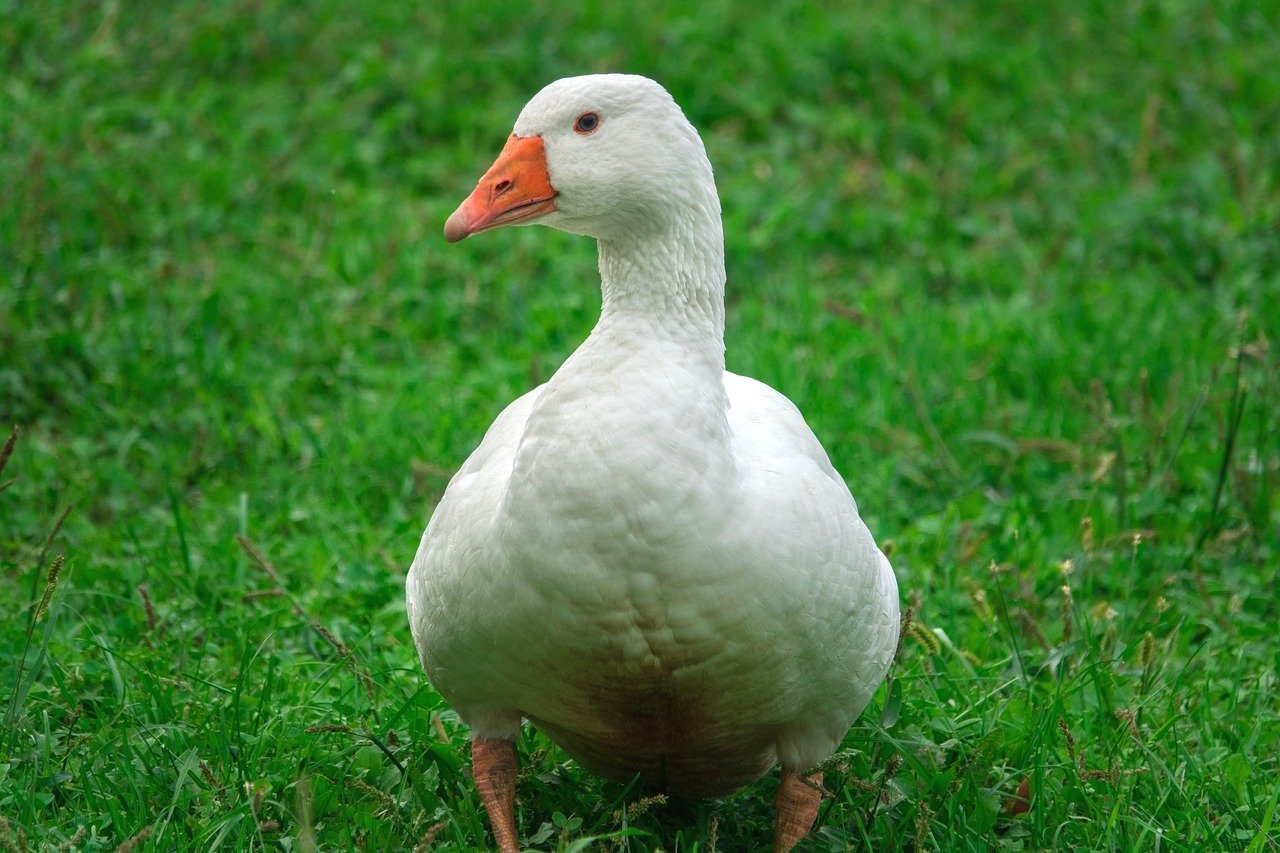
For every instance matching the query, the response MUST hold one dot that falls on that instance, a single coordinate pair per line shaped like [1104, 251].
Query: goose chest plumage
[649, 558]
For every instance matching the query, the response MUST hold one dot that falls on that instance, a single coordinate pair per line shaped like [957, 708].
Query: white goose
[649, 558]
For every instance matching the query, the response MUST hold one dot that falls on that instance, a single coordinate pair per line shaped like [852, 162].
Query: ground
[1018, 264]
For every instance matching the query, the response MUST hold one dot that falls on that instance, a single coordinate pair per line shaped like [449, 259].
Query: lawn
[1018, 263]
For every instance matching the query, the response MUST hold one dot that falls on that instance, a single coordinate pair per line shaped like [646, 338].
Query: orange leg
[797, 804]
[493, 763]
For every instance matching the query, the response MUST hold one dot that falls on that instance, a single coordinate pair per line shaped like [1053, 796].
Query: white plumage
[648, 557]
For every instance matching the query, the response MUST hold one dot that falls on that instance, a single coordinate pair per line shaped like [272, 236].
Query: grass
[1019, 264]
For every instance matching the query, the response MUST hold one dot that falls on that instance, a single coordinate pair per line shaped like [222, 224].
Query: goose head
[609, 156]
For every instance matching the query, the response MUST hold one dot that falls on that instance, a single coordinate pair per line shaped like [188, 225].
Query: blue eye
[587, 123]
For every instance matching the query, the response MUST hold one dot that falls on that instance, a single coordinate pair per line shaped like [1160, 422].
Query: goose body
[648, 557]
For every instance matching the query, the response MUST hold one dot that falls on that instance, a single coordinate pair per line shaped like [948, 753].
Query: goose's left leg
[797, 805]
[493, 763]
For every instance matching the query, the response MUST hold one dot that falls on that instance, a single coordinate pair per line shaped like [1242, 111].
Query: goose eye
[587, 123]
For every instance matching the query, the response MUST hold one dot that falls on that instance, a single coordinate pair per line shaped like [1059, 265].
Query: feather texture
[648, 557]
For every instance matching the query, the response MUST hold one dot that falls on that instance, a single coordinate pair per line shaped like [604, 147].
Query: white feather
[649, 557]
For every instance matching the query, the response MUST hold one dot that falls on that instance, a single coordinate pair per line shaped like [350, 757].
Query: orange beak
[516, 188]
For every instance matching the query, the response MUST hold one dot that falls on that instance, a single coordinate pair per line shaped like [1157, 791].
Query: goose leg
[493, 763]
[797, 804]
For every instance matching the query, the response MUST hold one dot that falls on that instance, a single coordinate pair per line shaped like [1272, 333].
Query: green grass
[1019, 264]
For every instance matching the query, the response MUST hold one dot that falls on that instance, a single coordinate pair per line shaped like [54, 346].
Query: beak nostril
[515, 189]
